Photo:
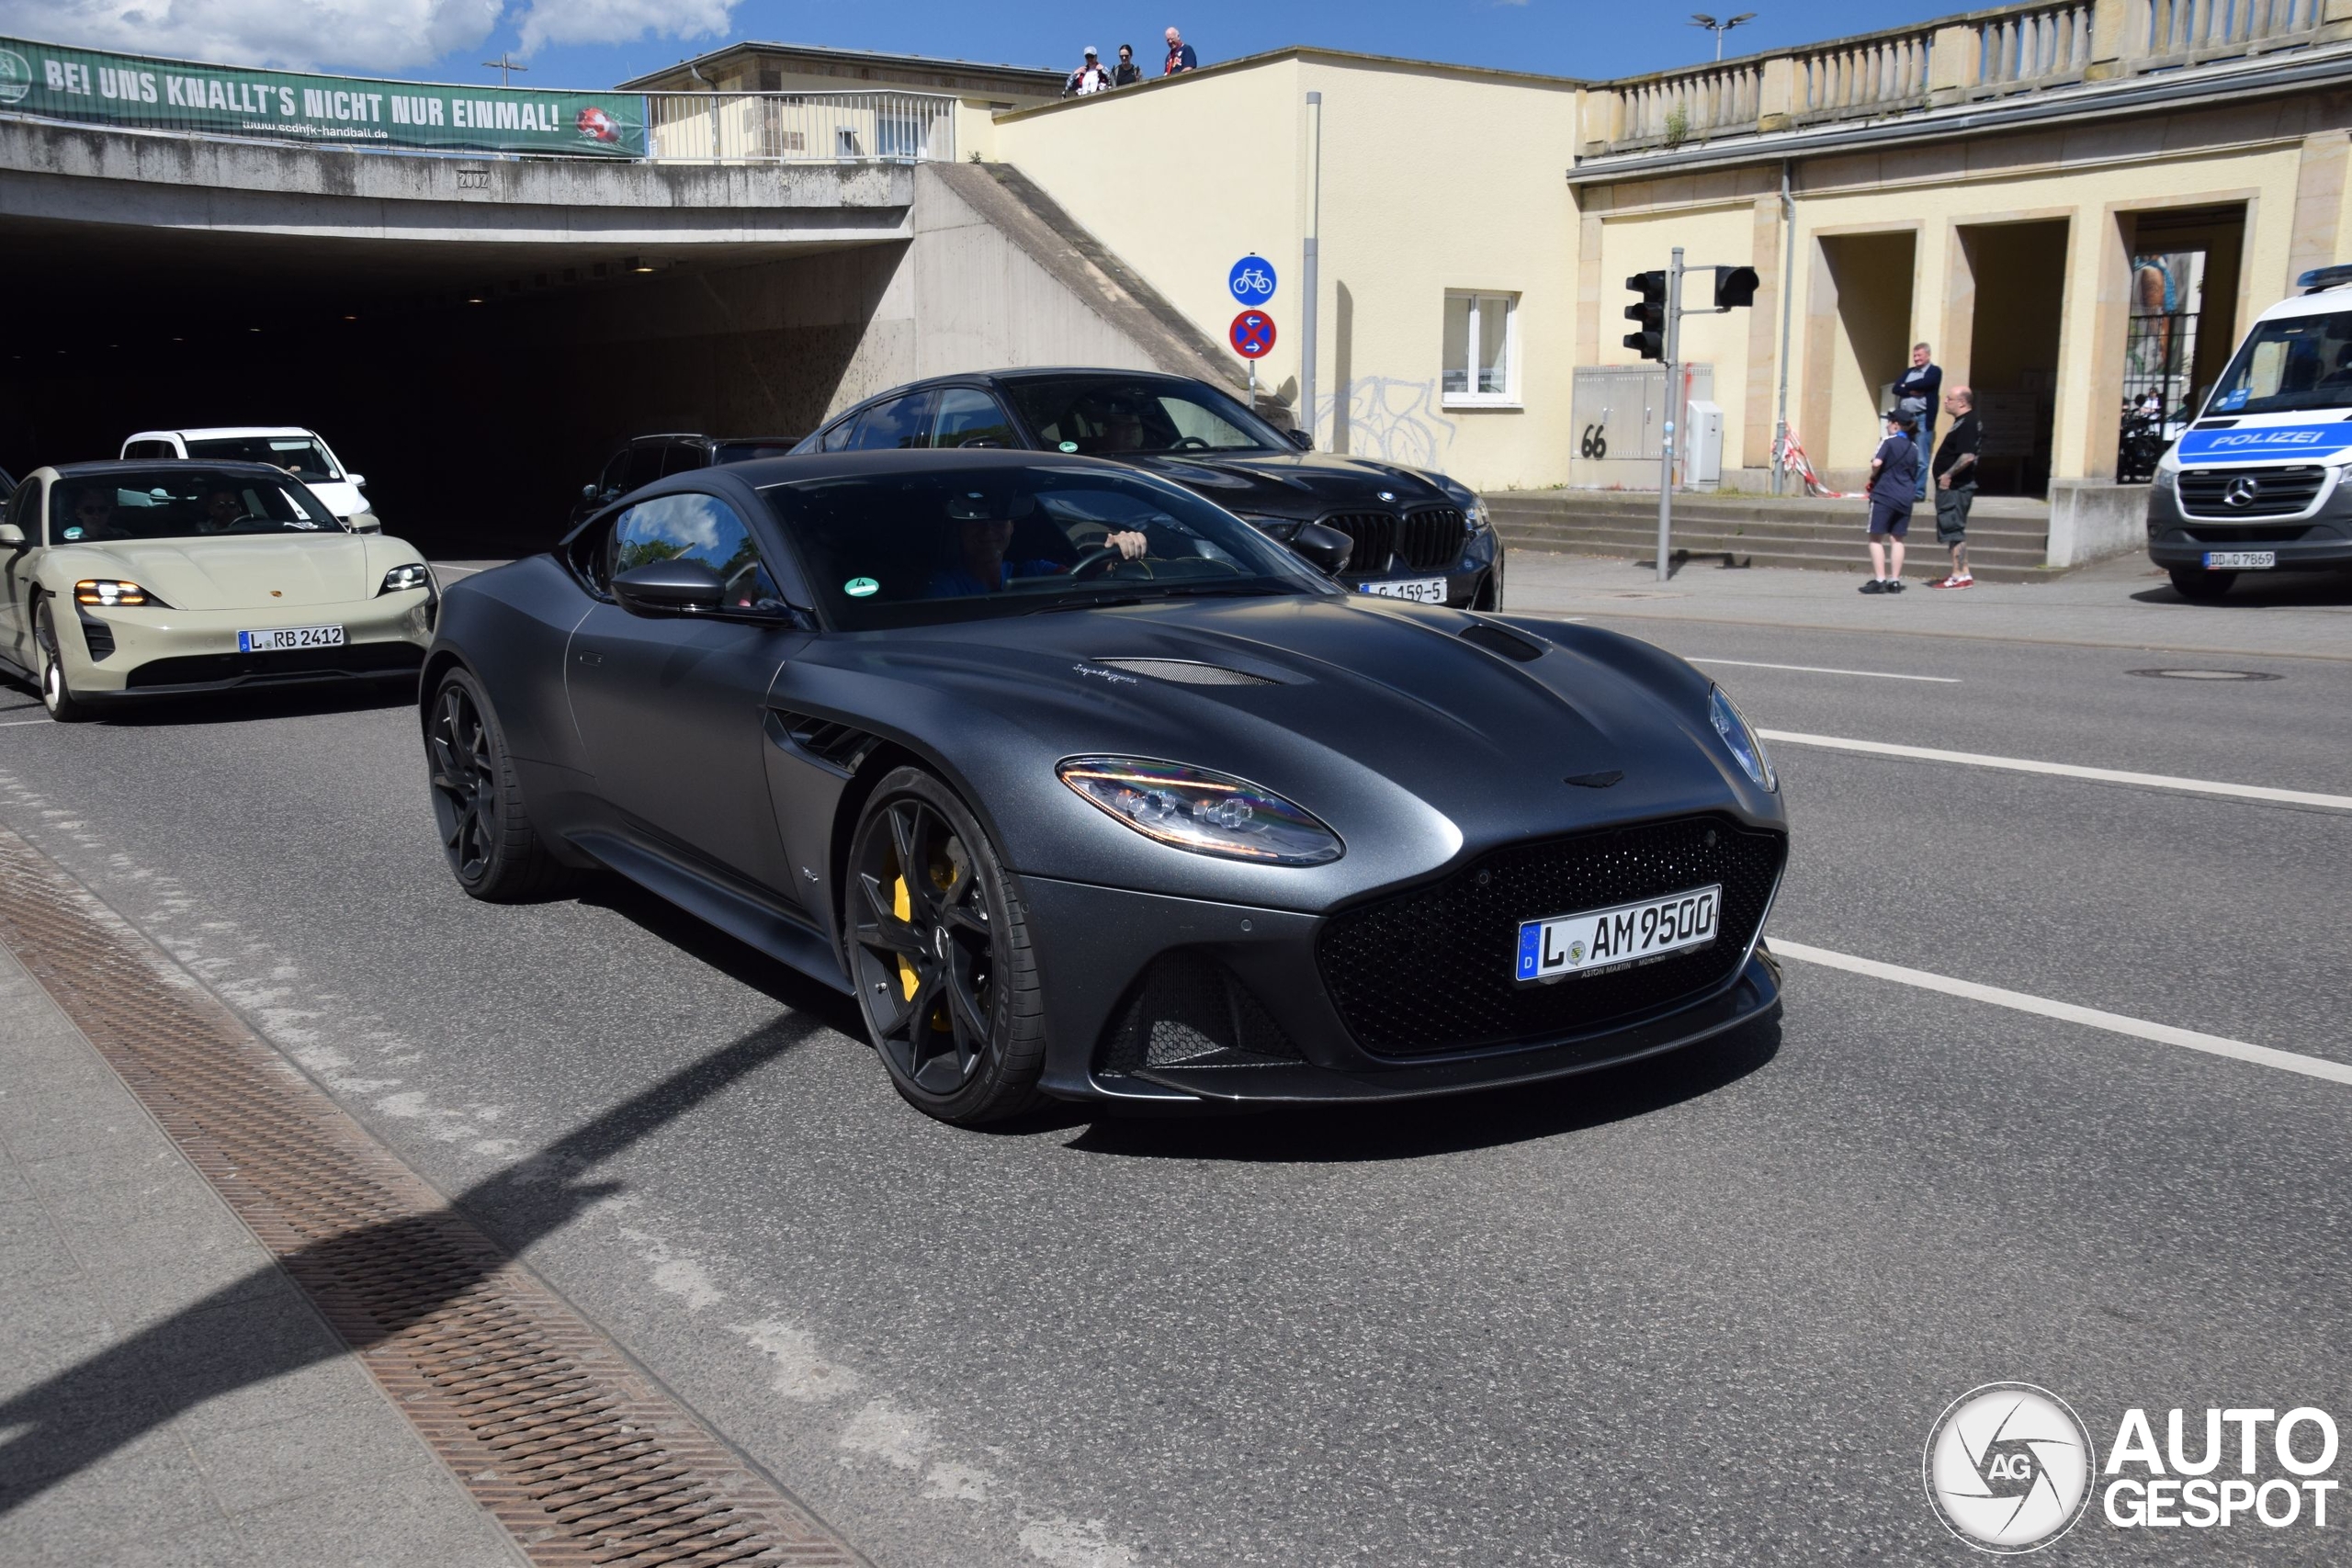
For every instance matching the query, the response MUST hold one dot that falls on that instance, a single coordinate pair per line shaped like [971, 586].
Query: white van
[2257, 482]
[304, 452]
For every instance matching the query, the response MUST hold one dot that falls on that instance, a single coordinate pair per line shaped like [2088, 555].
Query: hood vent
[1494, 639]
[1186, 672]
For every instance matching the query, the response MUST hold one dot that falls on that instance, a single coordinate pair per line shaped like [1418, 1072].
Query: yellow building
[2074, 203]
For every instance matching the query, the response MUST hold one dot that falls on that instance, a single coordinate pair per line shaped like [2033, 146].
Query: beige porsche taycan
[127, 580]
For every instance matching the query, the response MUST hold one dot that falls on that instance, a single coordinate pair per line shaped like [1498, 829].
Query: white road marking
[2116, 1022]
[1819, 670]
[6, 723]
[2063, 770]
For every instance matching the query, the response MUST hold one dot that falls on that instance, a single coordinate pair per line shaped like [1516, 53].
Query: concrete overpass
[476, 333]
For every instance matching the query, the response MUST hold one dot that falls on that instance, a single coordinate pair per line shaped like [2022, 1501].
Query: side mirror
[588, 492]
[668, 588]
[1325, 549]
[11, 534]
[364, 523]
[1301, 439]
[355, 479]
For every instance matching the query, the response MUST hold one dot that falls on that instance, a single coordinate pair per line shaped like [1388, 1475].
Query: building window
[1481, 350]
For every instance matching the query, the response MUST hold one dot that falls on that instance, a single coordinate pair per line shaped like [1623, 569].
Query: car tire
[2198, 584]
[56, 689]
[945, 975]
[486, 831]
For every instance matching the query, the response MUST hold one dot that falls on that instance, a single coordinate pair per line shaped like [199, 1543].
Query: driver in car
[93, 514]
[223, 509]
[984, 532]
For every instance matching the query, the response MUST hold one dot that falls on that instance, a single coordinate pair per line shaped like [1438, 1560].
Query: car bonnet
[234, 572]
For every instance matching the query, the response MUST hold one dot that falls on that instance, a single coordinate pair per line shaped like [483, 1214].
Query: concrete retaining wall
[2092, 520]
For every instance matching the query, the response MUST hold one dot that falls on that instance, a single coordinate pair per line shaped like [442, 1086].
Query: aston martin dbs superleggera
[1084, 787]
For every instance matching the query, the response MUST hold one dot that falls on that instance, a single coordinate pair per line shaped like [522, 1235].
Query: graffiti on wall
[1380, 416]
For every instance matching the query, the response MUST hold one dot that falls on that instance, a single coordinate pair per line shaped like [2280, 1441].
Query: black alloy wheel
[486, 831]
[941, 955]
[2198, 584]
[56, 691]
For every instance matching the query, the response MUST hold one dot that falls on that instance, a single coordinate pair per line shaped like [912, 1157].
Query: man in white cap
[1089, 77]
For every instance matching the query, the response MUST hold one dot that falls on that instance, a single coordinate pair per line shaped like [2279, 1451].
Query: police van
[2257, 483]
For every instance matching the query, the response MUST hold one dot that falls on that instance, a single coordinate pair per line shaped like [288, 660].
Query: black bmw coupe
[1416, 535]
[1084, 789]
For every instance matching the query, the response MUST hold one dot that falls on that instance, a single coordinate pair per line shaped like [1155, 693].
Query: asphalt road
[1702, 1309]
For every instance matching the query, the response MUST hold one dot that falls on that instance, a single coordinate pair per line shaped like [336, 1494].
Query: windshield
[934, 540]
[305, 456]
[751, 451]
[2300, 362]
[1091, 414]
[181, 501]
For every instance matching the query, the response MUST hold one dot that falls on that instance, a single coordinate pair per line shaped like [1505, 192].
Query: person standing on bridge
[1127, 74]
[1894, 485]
[1088, 78]
[1180, 57]
[1915, 391]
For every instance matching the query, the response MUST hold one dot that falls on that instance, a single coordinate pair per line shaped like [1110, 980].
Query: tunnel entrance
[477, 386]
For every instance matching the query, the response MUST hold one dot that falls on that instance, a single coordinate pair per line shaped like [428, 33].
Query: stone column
[1776, 95]
[2319, 206]
[1953, 63]
[1763, 335]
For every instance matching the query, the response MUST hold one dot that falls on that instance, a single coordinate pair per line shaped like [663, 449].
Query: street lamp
[1701, 19]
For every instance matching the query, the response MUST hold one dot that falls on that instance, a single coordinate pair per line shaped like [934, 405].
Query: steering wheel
[1101, 561]
[1190, 444]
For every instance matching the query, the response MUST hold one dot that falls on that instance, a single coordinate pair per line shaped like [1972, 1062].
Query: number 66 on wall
[1595, 442]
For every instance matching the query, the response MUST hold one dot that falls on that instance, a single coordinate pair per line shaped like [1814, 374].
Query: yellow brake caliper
[903, 907]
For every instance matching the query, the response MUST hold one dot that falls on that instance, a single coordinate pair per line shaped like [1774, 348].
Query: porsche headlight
[1753, 760]
[402, 577]
[1207, 813]
[113, 594]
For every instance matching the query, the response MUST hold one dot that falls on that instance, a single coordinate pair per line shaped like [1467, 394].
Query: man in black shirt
[1955, 473]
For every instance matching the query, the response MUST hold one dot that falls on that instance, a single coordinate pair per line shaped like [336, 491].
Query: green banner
[173, 95]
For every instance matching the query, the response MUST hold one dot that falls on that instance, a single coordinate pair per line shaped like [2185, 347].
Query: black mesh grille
[1430, 539]
[2278, 492]
[294, 664]
[2229, 538]
[1431, 971]
[1376, 537]
[1189, 1011]
[96, 636]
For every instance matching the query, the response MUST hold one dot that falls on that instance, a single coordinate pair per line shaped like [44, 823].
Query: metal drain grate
[581, 1456]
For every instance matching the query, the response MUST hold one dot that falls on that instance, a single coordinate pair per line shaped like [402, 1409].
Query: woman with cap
[1894, 485]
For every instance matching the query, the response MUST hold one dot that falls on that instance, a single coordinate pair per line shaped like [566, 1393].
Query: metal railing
[799, 127]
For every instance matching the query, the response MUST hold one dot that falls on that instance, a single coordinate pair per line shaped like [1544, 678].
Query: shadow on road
[740, 962]
[1406, 1131]
[245, 705]
[2265, 590]
[215, 1345]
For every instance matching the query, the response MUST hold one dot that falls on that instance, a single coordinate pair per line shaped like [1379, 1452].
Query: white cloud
[357, 35]
[619, 21]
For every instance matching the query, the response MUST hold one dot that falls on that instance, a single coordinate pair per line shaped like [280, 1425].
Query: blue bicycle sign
[1251, 280]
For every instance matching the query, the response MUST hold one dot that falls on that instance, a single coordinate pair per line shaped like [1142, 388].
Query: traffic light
[1650, 341]
[1734, 287]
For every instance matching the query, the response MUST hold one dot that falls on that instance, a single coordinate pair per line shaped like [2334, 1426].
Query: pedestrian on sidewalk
[1956, 482]
[1127, 74]
[1916, 390]
[1180, 57]
[1894, 486]
[1089, 78]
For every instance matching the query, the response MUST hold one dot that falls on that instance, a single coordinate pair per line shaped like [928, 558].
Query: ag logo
[2008, 1467]
[16, 76]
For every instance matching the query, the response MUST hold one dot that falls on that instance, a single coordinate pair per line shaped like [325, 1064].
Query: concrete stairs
[2007, 535]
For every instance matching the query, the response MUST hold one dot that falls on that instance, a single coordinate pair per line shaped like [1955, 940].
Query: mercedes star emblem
[2242, 491]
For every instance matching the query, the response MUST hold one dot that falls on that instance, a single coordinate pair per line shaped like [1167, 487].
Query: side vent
[834, 744]
[1494, 639]
[1187, 672]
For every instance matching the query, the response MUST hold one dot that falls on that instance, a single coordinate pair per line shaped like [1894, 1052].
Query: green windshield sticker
[1069, 445]
[861, 587]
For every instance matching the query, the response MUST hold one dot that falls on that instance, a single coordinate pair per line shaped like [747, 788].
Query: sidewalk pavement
[2123, 602]
[120, 1272]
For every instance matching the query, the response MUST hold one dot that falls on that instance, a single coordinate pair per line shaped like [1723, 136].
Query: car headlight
[401, 578]
[1754, 760]
[1474, 512]
[1282, 530]
[1207, 813]
[2167, 478]
[113, 594]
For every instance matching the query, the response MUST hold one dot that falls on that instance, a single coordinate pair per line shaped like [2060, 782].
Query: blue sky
[594, 43]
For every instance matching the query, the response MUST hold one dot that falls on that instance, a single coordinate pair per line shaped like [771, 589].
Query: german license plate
[1420, 590]
[278, 639]
[1609, 939]
[2240, 560]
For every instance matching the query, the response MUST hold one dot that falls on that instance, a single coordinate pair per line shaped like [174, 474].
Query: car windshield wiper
[1187, 591]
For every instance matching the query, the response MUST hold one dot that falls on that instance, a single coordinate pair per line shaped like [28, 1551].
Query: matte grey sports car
[1084, 787]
